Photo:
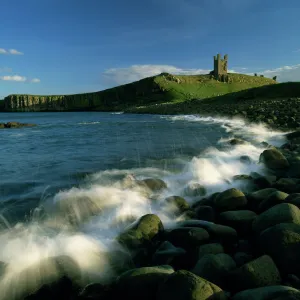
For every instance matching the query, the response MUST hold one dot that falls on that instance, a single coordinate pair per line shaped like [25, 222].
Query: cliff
[164, 88]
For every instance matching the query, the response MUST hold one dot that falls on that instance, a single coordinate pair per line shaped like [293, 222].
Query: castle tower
[220, 67]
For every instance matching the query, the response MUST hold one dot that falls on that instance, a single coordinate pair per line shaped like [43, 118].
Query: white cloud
[284, 74]
[35, 80]
[10, 51]
[137, 72]
[17, 78]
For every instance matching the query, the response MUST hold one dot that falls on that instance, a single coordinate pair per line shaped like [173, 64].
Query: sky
[77, 46]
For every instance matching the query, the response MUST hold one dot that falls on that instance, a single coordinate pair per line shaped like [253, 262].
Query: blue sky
[74, 46]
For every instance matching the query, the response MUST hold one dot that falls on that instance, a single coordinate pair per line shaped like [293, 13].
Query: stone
[155, 185]
[188, 286]
[142, 232]
[245, 159]
[214, 268]
[255, 198]
[256, 273]
[274, 159]
[293, 199]
[231, 199]
[166, 252]
[205, 213]
[288, 185]
[281, 213]
[178, 202]
[194, 189]
[237, 141]
[242, 258]
[273, 199]
[214, 248]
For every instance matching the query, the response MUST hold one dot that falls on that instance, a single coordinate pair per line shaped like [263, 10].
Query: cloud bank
[18, 78]
[10, 51]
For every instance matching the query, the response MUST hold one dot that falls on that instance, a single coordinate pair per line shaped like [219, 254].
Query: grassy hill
[164, 88]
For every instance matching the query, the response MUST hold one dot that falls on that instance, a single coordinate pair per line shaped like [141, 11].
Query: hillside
[164, 88]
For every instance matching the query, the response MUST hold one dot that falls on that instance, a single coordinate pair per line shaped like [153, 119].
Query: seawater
[62, 188]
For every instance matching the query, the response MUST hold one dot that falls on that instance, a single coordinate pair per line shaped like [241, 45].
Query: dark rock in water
[274, 159]
[255, 198]
[281, 213]
[242, 177]
[142, 232]
[217, 232]
[214, 248]
[282, 243]
[245, 159]
[179, 202]
[237, 141]
[277, 292]
[194, 190]
[263, 182]
[15, 125]
[242, 258]
[153, 184]
[187, 237]
[214, 268]
[205, 213]
[165, 253]
[188, 215]
[231, 199]
[141, 283]
[288, 185]
[188, 286]
[272, 200]
[257, 273]
[240, 220]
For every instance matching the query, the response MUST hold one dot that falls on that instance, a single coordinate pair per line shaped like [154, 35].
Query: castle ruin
[220, 68]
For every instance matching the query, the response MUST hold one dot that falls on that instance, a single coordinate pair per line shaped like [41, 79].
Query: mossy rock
[288, 185]
[178, 202]
[141, 232]
[257, 273]
[240, 220]
[187, 237]
[255, 198]
[231, 199]
[213, 248]
[273, 199]
[274, 159]
[194, 189]
[293, 199]
[281, 213]
[214, 268]
[153, 184]
[166, 252]
[141, 283]
[277, 292]
[282, 243]
[205, 213]
[236, 141]
[188, 286]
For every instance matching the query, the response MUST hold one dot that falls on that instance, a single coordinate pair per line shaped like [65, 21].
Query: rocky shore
[15, 125]
[230, 245]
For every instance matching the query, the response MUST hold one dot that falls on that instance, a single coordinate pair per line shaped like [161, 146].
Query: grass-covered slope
[164, 88]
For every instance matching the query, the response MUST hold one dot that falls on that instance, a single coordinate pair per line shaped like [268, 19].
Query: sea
[63, 188]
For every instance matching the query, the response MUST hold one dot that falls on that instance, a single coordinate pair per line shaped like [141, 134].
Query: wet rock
[293, 199]
[194, 190]
[263, 182]
[293, 281]
[142, 232]
[214, 248]
[178, 202]
[255, 198]
[288, 185]
[273, 199]
[165, 253]
[282, 243]
[257, 273]
[15, 125]
[141, 283]
[95, 291]
[242, 258]
[240, 220]
[278, 292]
[188, 286]
[281, 213]
[274, 159]
[245, 159]
[237, 141]
[155, 185]
[214, 268]
[231, 199]
[205, 213]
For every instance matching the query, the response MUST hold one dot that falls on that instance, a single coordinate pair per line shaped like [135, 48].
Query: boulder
[255, 198]
[273, 199]
[205, 213]
[293, 199]
[166, 252]
[288, 185]
[142, 232]
[237, 141]
[274, 159]
[281, 213]
[231, 199]
[278, 292]
[245, 159]
[282, 243]
[141, 283]
[179, 203]
[188, 286]
[214, 248]
[214, 268]
[194, 189]
[95, 291]
[256, 273]
[154, 185]
[242, 258]
[240, 220]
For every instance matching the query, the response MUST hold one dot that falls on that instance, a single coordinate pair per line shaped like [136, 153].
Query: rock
[231, 199]
[214, 248]
[178, 202]
[281, 213]
[274, 159]
[272, 200]
[155, 185]
[278, 292]
[245, 159]
[187, 237]
[293, 281]
[217, 232]
[255, 198]
[263, 182]
[95, 291]
[240, 220]
[194, 190]
[142, 232]
[186, 285]
[242, 177]
[237, 141]
[242, 258]
[214, 268]
[288, 185]
[141, 283]
[282, 243]
[205, 213]
[293, 199]
[166, 252]
[15, 125]
[257, 273]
